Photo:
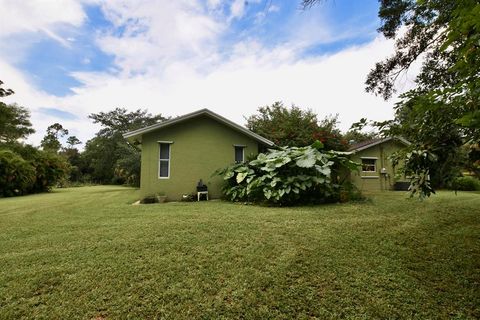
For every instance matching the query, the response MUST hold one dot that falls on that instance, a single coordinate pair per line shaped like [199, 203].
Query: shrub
[466, 184]
[350, 192]
[51, 170]
[16, 174]
[288, 176]
[25, 169]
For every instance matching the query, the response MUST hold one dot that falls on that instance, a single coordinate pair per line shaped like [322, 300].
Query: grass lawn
[87, 253]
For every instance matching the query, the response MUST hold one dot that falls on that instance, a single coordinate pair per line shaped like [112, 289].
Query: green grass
[87, 253]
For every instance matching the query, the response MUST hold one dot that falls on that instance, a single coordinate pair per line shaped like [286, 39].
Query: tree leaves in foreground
[417, 166]
[288, 176]
[442, 112]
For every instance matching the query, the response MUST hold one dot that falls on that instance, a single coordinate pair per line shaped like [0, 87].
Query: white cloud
[35, 99]
[214, 4]
[273, 8]
[328, 85]
[237, 9]
[157, 33]
[39, 16]
[171, 62]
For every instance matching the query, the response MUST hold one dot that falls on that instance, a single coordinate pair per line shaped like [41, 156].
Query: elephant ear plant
[288, 176]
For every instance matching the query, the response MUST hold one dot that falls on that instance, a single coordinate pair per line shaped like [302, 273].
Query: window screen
[164, 161]
[368, 165]
[164, 151]
[239, 154]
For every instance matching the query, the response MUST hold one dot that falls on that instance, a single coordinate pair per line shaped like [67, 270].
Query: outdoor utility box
[401, 186]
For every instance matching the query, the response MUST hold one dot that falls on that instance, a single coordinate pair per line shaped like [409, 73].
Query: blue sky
[66, 59]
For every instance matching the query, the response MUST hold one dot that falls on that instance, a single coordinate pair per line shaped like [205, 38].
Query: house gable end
[136, 135]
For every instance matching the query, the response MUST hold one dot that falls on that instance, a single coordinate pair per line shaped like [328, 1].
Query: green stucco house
[377, 172]
[177, 153]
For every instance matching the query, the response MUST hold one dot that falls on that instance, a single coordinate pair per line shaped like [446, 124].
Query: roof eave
[130, 136]
[401, 139]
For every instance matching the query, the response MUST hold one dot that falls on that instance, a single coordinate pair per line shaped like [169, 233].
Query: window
[164, 161]
[239, 154]
[368, 165]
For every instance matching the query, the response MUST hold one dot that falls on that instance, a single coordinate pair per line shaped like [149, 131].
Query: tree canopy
[295, 126]
[72, 141]
[441, 113]
[5, 92]
[109, 158]
[50, 141]
[23, 168]
[120, 120]
[14, 122]
[444, 35]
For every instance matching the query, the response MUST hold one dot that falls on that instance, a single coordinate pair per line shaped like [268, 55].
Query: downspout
[383, 177]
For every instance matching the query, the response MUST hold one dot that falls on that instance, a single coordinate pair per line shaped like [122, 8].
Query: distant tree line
[106, 159]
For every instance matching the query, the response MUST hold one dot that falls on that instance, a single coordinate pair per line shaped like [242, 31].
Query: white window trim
[243, 152]
[370, 158]
[169, 158]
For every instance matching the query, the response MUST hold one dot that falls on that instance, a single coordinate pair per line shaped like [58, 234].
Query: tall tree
[14, 122]
[73, 156]
[72, 141]
[120, 120]
[442, 111]
[330, 135]
[284, 126]
[110, 158]
[444, 33]
[295, 126]
[50, 141]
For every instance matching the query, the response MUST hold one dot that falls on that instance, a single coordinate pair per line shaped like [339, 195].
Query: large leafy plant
[288, 176]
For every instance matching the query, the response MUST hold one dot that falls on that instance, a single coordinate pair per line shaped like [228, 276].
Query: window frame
[374, 164]
[235, 146]
[160, 160]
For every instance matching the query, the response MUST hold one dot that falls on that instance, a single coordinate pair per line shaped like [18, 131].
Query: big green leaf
[306, 161]
[241, 176]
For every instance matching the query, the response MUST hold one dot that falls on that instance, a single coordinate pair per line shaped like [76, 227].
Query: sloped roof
[136, 134]
[370, 143]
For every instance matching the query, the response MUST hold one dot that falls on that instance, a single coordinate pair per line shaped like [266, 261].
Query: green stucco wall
[375, 181]
[200, 146]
